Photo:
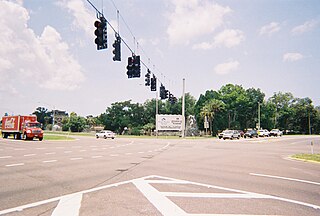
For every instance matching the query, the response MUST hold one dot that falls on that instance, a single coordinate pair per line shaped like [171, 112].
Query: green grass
[308, 157]
[57, 137]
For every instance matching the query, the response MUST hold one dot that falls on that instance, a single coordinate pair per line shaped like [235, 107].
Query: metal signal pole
[183, 109]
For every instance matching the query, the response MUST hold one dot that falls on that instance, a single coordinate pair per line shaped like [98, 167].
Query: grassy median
[307, 157]
[57, 137]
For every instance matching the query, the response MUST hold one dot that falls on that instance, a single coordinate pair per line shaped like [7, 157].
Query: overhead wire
[136, 43]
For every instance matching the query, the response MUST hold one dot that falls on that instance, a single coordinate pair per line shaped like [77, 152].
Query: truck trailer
[21, 127]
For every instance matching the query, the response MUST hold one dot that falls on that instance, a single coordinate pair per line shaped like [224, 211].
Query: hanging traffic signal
[130, 67]
[117, 48]
[153, 83]
[101, 33]
[147, 79]
[162, 92]
[166, 94]
[136, 66]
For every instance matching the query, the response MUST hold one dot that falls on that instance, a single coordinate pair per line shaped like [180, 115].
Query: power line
[136, 43]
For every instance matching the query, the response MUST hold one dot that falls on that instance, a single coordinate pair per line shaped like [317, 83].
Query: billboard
[169, 122]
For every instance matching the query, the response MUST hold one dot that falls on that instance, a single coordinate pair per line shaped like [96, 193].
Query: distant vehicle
[241, 133]
[276, 132]
[21, 127]
[105, 134]
[251, 134]
[263, 133]
[220, 135]
[231, 134]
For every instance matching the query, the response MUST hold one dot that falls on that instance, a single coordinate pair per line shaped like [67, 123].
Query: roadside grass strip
[53, 137]
[307, 157]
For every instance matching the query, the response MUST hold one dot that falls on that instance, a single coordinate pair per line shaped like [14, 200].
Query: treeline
[231, 107]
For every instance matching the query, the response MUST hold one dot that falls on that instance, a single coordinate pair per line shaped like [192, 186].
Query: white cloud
[228, 38]
[291, 57]
[44, 60]
[227, 67]
[269, 29]
[305, 27]
[195, 18]
[83, 19]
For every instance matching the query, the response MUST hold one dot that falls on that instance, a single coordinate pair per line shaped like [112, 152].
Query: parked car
[105, 134]
[263, 133]
[241, 133]
[231, 134]
[220, 135]
[276, 132]
[251, 134]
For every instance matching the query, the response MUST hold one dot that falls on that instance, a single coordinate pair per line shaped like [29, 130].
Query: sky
[48, 57]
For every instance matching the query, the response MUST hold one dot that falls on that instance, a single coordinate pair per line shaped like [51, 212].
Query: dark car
[251, 134]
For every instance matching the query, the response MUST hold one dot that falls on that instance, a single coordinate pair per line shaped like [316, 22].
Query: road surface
[167, 177]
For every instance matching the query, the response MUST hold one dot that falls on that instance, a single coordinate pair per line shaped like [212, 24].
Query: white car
[105, 134]
[263, 133]
[231, 134]
[276, 132]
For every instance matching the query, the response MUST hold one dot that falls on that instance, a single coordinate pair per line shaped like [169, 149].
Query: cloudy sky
[48, 56]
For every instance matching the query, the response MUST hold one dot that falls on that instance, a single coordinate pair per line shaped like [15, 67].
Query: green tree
[43, 115]
[210, 109]
[76, 123]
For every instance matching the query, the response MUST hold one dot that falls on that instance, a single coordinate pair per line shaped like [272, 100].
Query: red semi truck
[25, 127]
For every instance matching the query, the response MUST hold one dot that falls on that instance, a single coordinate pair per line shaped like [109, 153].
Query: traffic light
[166, 94]
[130, 67]
[101, 33]
[162, 92]
[117, 48]
[147, 79]
[153, 83]
[136, 66]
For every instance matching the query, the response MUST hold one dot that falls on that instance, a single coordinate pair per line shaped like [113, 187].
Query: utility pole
[259, 126]
[183, 109]
[157, 112]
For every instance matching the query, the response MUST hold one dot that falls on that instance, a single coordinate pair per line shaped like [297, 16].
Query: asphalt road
[168, 177]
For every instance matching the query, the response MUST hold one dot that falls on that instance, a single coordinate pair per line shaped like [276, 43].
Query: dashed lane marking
[29, 155]
[13, 165]
[49, 161]
[79, 158]
[5, 157]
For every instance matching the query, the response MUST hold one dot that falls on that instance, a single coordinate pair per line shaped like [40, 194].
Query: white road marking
[285, 178]
[19, 149]
[164, 205]
[50, 153]
[5, 157]
[67, 152]
[29, 155]
[128, 153]
[68, 205]
[159, 200]
[40, 148]
[217, 195]
[140, 152]
[114, 155]
[79, 158]
[97, 156]
[49, 161]
[13, 165]
[82, 150]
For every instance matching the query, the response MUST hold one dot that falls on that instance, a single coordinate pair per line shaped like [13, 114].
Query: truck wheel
[41, 138]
